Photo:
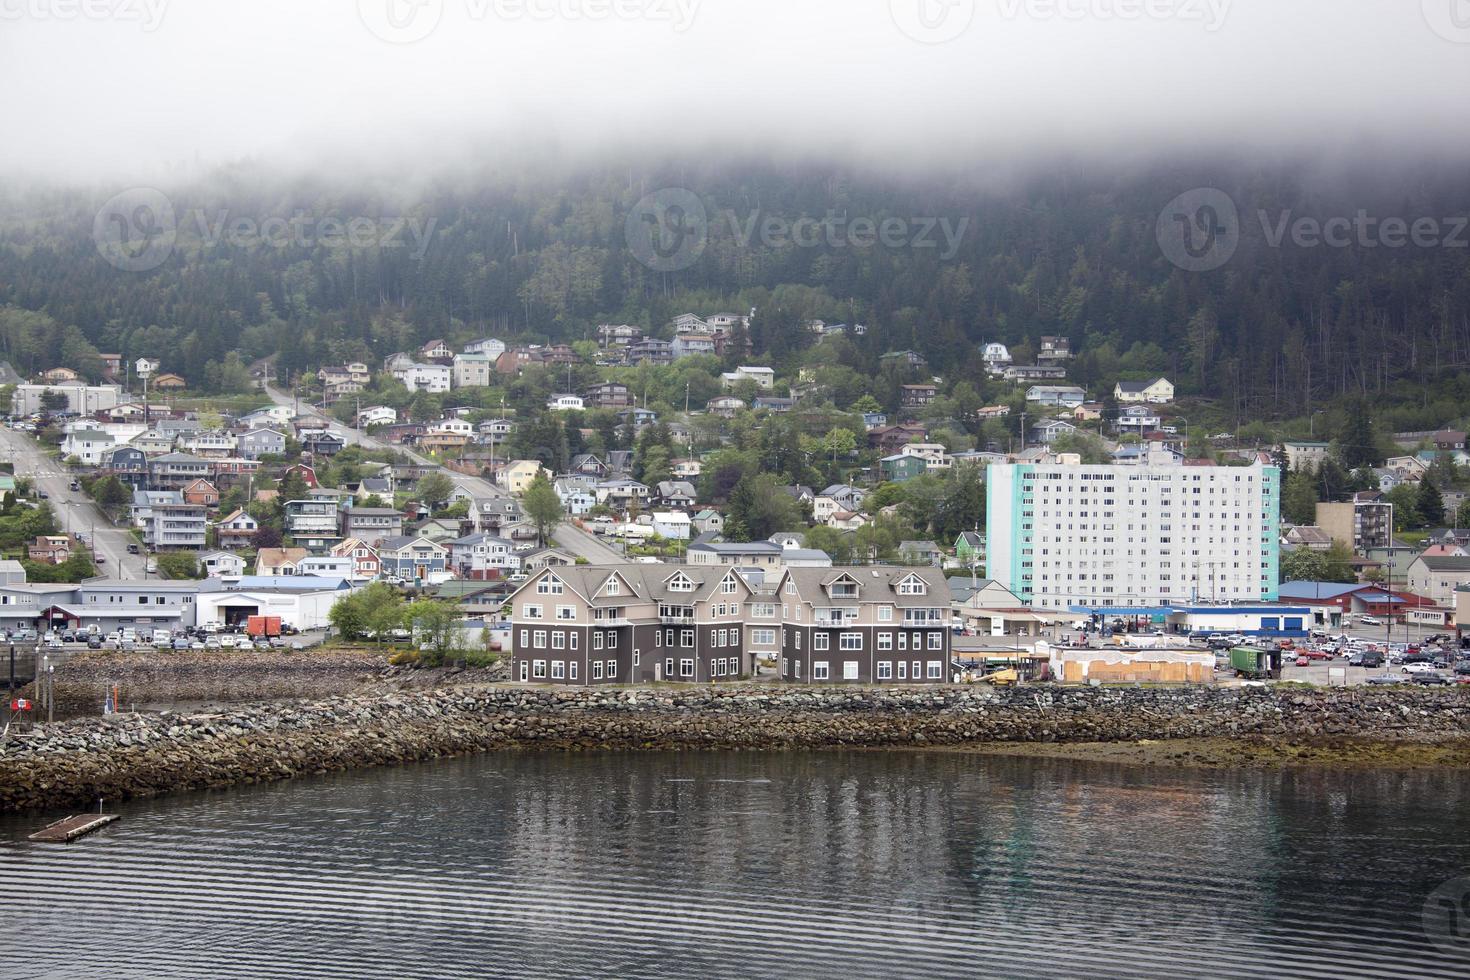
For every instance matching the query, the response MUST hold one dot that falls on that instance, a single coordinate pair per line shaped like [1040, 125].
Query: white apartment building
[1133, 536]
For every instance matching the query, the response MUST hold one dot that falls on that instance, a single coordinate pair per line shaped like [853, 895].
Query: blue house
[411, 558]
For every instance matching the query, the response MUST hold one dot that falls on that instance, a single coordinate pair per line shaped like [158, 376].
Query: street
[75, 511]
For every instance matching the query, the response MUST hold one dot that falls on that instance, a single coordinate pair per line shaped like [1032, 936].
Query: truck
[1256, 663]
[263, 626]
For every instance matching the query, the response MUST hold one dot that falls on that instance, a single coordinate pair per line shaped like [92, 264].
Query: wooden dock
[68, 829]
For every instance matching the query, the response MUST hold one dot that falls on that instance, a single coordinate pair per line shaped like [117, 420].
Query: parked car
[1380, 679]
[1369, 621]
[1430, 678]
[94, 642]
[1304, 661]
[132, 549]
[1417, 668]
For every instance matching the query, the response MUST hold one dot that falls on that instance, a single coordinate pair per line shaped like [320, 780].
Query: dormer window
[912, 586]
[681, 583]
[613, 587]
[551, 585]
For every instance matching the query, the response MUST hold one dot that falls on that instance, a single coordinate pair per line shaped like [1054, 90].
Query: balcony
[924, 617]
[835, 618]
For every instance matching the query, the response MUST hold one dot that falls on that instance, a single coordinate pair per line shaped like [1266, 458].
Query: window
[613, 587]
[798, 639]
[686, 668]
[637, 657]
[916, 673]
[566, 612]
[686, 638]
[658, 638]
[763, 638]
[819, 670]
[525, 639]
[903, 670]
[763, 610]
[849, 670]
[728, 586]
[714, 638]
[558, 640]
[612, 669]
[936, 641]
[911, 586]
[668, 668]
[531, 612]
[597, 639]
[538, 669]
[936, 670]
[573, 638]
[852, 641]
[558, 670]
[597, 670]
[885, 641]
[790, 587]
[903, 641]
[540, 640]
[572, 670]
[885, 670]
[820, 641]
[885, 614]
[550, 585]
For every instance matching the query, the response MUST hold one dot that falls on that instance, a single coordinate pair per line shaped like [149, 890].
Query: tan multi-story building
[622, 624]
[1364, 522]
[864, 625]
[629, 624]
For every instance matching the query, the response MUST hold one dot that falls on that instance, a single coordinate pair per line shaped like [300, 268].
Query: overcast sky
[127, 86]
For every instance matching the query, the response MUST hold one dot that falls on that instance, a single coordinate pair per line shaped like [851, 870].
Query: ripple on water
[713, 865]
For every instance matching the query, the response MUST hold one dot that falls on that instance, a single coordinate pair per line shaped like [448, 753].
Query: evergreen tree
[1359, 441]
[1430, 504]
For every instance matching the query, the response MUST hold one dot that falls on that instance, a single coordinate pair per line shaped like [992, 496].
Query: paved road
[74, 509]
[583, 543]
[567, 536]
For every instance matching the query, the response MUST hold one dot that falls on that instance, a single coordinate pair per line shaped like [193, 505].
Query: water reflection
[731, 864]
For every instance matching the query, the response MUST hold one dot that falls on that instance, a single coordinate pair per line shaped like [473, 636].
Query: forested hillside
[1275, 331]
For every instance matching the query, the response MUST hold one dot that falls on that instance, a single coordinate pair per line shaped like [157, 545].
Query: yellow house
[517, 475]
[1156, 392]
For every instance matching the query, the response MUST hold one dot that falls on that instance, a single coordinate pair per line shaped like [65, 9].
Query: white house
[376, 415]
[671, 524]
[221, 564]
[565, 403]
[88, 445]
[433, 378]
[576, 495]
[764, 377]
[1156, 392]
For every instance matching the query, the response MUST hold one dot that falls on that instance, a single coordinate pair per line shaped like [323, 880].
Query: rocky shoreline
[74, 763]
[191, 679]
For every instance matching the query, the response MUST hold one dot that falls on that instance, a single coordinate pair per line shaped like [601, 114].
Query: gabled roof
[1445, 563]
[876, 583]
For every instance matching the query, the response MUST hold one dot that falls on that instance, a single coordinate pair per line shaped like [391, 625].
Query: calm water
[850, 865]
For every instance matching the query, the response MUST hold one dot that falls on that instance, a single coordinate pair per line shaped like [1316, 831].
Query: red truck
[263, 626]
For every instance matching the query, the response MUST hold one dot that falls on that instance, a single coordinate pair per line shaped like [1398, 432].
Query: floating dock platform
[68, 829]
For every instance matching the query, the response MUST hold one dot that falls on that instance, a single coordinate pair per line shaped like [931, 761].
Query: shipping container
[263, 626]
